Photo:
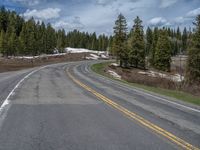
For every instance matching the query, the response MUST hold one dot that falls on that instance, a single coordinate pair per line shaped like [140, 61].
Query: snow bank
[175, 78]
[178, 78]
[92, 57]
[39, 56]
[114, 74]
[114, 64]
[82, 50]
[94, 54]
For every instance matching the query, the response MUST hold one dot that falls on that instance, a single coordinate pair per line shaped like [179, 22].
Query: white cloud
[69, 24]
[167, 3]
[109, 2]
[158, 21]
[193, 13]
[104, 2]
[27, 2]
[44, 14]
[179, 20]
[187, 18]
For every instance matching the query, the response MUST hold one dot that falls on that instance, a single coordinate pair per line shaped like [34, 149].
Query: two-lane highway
[61, 107]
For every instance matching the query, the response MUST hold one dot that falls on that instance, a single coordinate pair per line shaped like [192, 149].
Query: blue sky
[99, 15]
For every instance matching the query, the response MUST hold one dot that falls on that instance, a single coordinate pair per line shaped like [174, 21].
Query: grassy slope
[99, 68]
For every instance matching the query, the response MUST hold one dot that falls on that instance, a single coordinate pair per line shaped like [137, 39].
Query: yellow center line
[138, 118]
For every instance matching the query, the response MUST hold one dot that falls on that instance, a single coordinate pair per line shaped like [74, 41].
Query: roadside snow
[175, 77]
[94, 54]
[82, 50]
[92, 57]
[114, 74]
[178, 78]
[114, 64]
[39, 56]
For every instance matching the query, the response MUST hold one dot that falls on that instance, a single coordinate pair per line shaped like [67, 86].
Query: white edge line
[141, 92]
[7, 101]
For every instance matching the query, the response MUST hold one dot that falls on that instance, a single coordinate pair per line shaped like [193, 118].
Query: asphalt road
[47, 110]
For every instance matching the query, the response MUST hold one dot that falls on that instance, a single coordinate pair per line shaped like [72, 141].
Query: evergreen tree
[184, 40]
[12, 44]
[61, 40]
[137, 45]
[149, 40]
[3, 43]
[120, 37]
[162, 54]
[23, 40]
[193, 64]
[50, 39]
[31, 39]
[178, 34]
[93, 39]
[3, 19]
[153, 49]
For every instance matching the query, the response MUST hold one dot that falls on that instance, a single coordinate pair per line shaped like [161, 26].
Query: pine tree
[3, 43]
[184, 40]
[178, 34]
[120, 37]
[23, 41]
[50, 39]
[137, 45]
[12, 43]
[31, 39]
[162, 54]
[3, 19]
[149, 40]
[153, 49]
[193, 64]
[61, 40]
[94, 39]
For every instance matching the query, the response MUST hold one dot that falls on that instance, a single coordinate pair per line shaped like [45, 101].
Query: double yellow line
[138, 118]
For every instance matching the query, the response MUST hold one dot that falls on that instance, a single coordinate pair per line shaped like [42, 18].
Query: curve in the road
[136, 117]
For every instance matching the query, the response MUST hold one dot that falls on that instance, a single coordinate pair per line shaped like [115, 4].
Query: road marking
[140, 91]
[6, 104]
[136, 117]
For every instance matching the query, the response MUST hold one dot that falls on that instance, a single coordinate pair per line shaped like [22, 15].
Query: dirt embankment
[142, 77]
[13, 64]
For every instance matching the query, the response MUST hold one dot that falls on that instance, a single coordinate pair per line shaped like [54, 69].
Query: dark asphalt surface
[48, 111]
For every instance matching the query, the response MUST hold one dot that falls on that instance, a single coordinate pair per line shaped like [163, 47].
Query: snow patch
[114, 64]
[92, 57]
[114, 74]
[39, 56]
[175, 77]
[94, 54]
[82, 50]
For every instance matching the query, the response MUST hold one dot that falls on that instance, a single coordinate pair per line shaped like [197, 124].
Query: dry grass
[14, 64]
[132, 76]
[183, 94]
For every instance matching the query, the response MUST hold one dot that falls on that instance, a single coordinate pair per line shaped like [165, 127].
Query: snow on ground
[176, 77]
[114, 64]
[82, 50]
[40, 56]
[92, 57]
[114, 74]
[94, 54]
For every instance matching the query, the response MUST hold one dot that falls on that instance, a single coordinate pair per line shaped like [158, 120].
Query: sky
[99, 15]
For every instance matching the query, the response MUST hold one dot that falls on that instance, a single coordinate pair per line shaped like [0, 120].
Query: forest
[21, 37]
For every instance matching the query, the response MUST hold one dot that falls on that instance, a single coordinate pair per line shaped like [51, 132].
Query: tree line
[156, 47]
[20, 37]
